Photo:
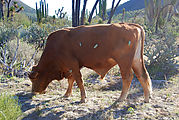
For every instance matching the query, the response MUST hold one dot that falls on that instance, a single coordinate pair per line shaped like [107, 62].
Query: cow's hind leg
[127, 77]
[144, 78]
[70, 85]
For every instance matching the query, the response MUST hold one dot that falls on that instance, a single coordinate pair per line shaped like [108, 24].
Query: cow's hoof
[146, 101]
[66, 96]
[120, 99]
[82, 101]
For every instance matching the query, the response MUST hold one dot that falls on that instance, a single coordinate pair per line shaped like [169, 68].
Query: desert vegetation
[22, 40]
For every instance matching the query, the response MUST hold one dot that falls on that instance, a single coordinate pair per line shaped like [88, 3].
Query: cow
[98, 47]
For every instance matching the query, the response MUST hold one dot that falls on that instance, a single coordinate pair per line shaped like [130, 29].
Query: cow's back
[94, 44]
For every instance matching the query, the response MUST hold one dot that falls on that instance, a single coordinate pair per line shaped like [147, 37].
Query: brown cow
[98, 47]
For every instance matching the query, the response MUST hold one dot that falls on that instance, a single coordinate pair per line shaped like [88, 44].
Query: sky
[67, 4]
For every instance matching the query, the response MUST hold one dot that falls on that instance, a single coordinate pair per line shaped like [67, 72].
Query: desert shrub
[16, 54]
[9, 107]
[37, 34]
[161, 50]
[22, 19]
[7, 33]
[34, 35]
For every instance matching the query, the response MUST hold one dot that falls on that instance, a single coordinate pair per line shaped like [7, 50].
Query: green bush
[9, 107]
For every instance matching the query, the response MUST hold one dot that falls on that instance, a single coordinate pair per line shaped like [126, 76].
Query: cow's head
[41, 78]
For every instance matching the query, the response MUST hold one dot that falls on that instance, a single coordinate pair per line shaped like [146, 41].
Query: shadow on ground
[34, 112]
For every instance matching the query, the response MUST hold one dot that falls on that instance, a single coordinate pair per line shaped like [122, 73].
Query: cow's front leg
[79, 81]
[70, 85]
[126, 82]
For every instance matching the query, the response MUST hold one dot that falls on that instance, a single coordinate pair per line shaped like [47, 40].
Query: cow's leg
[127, 77]
[70, 85]
[144, 78]
[77, 76]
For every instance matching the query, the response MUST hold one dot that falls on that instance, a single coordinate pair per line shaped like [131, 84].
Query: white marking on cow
[70, 71]
[95, 46]
[80, 44]
[138, 50]
[129, 43]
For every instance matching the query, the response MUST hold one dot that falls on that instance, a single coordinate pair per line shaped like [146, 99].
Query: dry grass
[100, 99]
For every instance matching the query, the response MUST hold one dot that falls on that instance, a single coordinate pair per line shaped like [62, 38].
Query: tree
[10, 9]
[102, 9]
[75, 12]
[15, 9]
[158, 12]
[113, 9]
[1, 9]
[92, 11]
[60, 14]
[83, 12]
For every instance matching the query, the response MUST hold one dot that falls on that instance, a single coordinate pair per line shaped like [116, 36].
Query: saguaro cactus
[42, 11]
[123, 15]
[102, 9]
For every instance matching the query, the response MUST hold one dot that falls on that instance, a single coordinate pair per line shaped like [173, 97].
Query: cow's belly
[101, 66]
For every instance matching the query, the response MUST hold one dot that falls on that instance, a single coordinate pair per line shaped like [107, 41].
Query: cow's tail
[142, 43]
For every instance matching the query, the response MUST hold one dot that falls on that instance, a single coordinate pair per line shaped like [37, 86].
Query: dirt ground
[101, 95]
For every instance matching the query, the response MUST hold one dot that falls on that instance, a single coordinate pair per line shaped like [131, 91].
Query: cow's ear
[34, 68]
[33, 75]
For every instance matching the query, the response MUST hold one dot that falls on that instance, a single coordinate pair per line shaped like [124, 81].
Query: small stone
[129, 43]
[80, 44]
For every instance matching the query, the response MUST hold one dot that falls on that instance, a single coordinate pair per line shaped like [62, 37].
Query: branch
[91, 14]
[4, 64]
[6, 1]
[156, 27]
[15, 54]
[4, 57]
[113, 10]
[83, 12]
[33, 56]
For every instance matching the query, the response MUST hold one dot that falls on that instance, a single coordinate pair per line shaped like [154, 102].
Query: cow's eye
[33, 75]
